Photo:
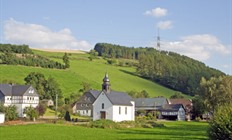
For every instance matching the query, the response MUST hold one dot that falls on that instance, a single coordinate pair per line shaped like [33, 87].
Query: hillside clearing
[83, 70]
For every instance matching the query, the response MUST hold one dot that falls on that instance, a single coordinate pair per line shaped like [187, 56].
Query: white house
[19, 95]
[112, 105]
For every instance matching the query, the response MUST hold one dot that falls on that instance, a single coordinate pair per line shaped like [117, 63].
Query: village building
[149, 105]
[84, 106]
[187, 104]
[173, 112]
[47, 102]
[113, 105]
[19, 95]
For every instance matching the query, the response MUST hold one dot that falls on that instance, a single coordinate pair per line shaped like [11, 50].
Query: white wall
[84, 112]
[123, 116]
[2, 117]
[181, 114]
[97, 107]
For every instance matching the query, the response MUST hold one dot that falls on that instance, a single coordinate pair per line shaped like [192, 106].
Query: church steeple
[106, 83]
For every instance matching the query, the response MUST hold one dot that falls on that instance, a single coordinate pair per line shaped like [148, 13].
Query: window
[125, 110]
[119, 110]
[103, 106]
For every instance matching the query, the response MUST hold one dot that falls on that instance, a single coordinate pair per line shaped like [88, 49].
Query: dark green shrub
[220, 127]
[67, 116]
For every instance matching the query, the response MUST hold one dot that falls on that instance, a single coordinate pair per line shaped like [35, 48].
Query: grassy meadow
[84, 70]
[171, 131]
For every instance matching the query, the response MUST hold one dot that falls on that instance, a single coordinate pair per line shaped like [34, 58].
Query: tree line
[170, 69]
[23, 49]
[23, 55]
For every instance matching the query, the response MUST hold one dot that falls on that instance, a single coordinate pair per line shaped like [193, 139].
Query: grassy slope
[172, 131]
[83, 70]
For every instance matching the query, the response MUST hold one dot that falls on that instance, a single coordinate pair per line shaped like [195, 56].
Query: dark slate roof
[13, 90]
[119, 98]
[150, 102]
[19, 90]
[172, 107]
[6, 89]
[95, 93]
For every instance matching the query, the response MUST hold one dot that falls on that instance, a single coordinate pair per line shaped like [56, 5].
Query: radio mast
[158, 41]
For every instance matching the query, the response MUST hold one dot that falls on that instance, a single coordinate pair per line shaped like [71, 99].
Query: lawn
[172, 131]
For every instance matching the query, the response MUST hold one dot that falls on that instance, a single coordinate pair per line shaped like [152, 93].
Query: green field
[84, 70]
[172, 131]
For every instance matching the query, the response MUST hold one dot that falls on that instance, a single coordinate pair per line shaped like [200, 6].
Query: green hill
[84, 70]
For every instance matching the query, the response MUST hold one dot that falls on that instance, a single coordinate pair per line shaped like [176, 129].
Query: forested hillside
[23, 55]
[167, 68]
[82, 70]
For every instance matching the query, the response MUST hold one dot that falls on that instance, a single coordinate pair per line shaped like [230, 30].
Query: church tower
[106, 83]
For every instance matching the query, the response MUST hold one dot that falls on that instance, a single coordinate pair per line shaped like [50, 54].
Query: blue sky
[200, 29]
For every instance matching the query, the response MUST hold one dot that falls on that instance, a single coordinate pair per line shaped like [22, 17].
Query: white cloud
[38, 36]
[199, 47]
[164, 25]
[157, 12]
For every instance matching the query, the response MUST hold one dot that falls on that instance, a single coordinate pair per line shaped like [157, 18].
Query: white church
[113, 105]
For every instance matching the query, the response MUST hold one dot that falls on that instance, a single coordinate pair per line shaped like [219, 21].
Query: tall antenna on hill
[158, 41]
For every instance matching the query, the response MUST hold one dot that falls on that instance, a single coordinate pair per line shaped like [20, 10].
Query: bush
[198, 119]
[31, 112]
[220, 127]
[10, 112]
[103, 124]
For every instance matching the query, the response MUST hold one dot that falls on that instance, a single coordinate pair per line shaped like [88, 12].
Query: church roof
[106, 78]
[119, 98]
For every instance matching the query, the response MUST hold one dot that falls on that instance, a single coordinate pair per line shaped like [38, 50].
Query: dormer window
[31, 91]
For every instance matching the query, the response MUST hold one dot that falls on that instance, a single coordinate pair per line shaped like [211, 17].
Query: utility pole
[56, 106]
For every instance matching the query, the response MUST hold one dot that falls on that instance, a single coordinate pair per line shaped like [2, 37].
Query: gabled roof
[184, 102]
[119, 98]
[150, 102]
[172, 107]
[6, 89]
[19, 90]
[95, 93]
[14, 90]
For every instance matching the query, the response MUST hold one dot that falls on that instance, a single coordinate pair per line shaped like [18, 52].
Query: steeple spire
[106, 83]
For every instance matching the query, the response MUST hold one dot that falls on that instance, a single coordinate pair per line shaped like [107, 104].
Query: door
[103, 114]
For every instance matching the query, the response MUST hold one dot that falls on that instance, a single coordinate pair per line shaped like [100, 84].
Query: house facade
[19, 95]
[84, 106]
[173, 112]
[112, 105]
